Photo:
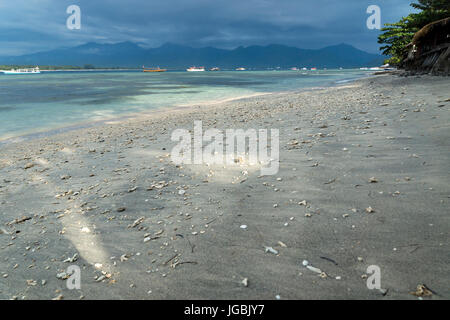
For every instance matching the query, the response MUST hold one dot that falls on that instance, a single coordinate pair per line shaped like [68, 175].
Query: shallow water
[51, 100]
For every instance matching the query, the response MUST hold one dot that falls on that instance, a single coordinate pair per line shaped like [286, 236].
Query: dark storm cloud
[32, 25]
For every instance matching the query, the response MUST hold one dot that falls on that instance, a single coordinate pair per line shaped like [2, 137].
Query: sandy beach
[364, 180]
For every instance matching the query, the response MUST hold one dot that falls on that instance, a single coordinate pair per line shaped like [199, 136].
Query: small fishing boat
[240, 69]
[144, 69]
[195, 69]
[214, 69]
[22, 71]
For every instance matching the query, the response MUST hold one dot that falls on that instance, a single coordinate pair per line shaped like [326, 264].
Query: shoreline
[363, 181]
[43, 133]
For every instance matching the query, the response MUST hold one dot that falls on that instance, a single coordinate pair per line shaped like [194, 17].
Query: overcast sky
[28, 26]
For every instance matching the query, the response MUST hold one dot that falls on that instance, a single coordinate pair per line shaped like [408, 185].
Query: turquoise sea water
[52, 100]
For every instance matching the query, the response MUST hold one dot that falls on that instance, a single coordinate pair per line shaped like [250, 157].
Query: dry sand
[111, 195]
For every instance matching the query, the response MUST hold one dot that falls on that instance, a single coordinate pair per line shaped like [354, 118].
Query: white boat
[195, 69]
[22, 71]
[240, 69]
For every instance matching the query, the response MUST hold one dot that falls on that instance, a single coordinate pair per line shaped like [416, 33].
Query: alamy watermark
[374, 20]
[73, 282]
[236, 150]
[74, 20]
[374, 280]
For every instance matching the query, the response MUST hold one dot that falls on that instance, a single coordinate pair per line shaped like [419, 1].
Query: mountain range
[173, 56]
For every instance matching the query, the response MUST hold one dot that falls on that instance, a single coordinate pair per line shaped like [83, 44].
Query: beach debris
[58, 298]
[98, 265]
[121, 209]
[422, 291]
[157, 185]
[383, 291]
[29, 165]
[302, 203]
[282, 244]
[20, 220]
[370, 210]
[244, 226]
[181, 192]
[330, 260]
[132, 189]
[171, 259]
[314, 269]
[65, 177]
[85, 230]
[270, 250]
[278, 297]
[31, 283]
[100, 278]
[245, 282]
[124, 257]
[136, 222]
[62, 276]
[373, 180]
[72, 259]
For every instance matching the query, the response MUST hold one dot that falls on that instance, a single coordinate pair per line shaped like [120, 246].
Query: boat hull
[12, 72]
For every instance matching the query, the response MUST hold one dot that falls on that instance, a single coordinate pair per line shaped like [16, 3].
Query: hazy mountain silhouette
[173, 56]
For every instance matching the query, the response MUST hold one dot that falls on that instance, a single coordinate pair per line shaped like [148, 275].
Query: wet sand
[363, 180]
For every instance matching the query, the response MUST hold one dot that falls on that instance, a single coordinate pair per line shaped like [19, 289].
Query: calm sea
[52, 100]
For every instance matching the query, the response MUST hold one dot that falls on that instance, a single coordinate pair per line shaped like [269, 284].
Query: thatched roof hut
[429, 50]
[433, 33]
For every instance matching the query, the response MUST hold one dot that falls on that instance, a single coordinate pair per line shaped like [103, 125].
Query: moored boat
[158, 69]
[22, 71]
[195, 69]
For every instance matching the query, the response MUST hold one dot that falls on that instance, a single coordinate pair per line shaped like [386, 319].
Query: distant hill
[131, 55]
